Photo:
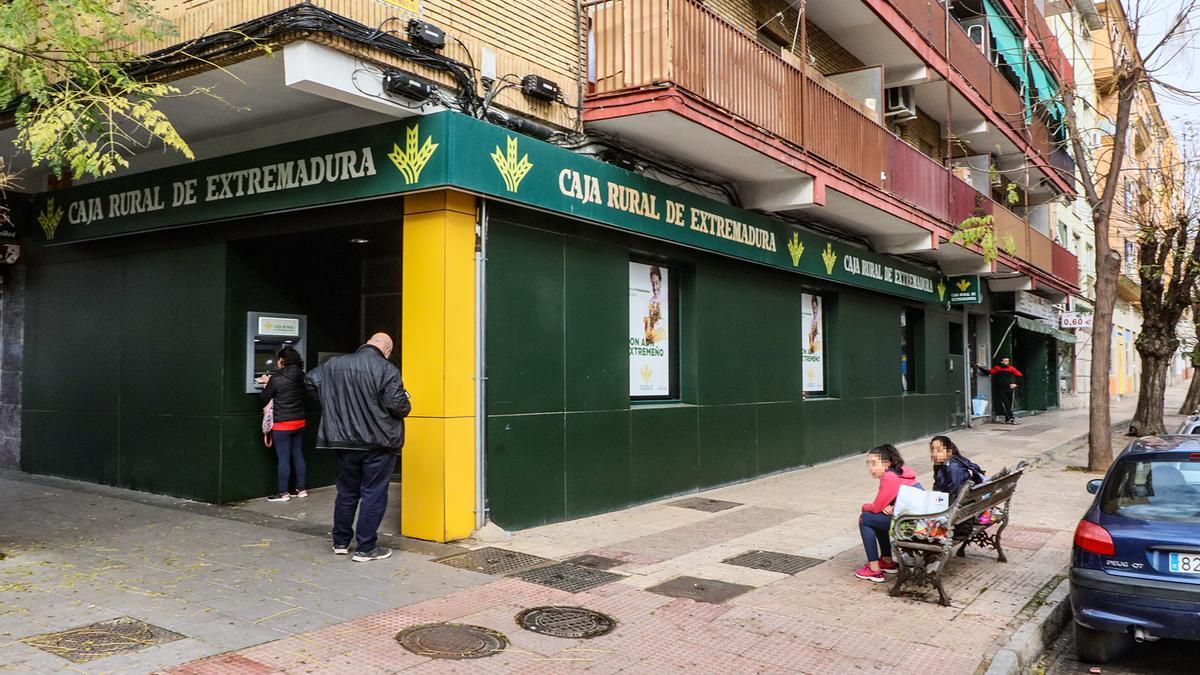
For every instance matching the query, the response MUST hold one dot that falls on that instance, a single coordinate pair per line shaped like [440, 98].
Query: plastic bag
[912, 501]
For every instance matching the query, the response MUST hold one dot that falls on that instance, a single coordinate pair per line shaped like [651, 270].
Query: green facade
[563, 438]
[135, 348]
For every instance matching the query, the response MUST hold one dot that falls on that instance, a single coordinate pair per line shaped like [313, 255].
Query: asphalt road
[1150, 658]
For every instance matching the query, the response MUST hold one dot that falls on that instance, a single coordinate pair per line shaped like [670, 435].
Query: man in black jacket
[363, 406]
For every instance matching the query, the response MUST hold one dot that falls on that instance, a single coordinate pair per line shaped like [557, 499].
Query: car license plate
[1184, 563]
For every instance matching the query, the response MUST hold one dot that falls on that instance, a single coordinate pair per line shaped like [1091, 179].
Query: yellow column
[438, 358]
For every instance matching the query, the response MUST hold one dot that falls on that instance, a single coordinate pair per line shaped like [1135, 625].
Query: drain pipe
[480, 373]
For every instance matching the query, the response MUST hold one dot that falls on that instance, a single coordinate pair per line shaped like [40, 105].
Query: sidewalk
[228, 585]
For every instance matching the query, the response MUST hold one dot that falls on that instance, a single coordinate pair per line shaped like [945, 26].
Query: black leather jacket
[363, 402]
[286, 387]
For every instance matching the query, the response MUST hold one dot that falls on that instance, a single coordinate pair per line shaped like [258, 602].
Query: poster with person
[812, 340]
[649, 331]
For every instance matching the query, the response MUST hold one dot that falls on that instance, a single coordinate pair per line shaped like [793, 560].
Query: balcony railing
[640, 44]
[648, 43]
[1065, 265]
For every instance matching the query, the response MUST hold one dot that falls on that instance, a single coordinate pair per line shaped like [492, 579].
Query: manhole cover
[703, 504]
[596, 562]
[568, 577]
[98, 640]
[491, 560]
[451, 641]
[566, 622]
[784, 563]
[700, 590]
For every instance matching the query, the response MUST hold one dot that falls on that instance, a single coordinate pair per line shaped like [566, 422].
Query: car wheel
[1098, 646]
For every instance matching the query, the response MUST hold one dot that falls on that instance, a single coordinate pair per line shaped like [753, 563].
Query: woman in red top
[286, 388]
[886, 464]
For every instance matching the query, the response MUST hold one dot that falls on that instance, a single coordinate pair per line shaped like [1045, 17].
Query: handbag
[911, 501]
[268, 421]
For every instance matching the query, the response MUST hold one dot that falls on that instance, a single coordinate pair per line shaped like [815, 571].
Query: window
[1130, 258]
[812, 341]
[1154, 490]
[910, 320]
[1063, 238]
[653, 332]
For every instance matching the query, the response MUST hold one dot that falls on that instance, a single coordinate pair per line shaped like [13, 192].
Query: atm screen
[264, 361]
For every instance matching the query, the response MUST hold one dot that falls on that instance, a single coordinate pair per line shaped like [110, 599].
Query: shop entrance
[346, 282]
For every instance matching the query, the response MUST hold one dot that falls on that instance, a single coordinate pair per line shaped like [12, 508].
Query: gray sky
[1178, 64]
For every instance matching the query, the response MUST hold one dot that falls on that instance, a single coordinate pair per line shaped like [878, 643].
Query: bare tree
[1164, 217]
[1191, 402]
[1099, 177]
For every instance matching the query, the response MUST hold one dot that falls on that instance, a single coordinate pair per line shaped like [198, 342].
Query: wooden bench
[923, 560]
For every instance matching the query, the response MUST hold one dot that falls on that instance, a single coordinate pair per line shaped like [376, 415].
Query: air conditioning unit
[900, 104]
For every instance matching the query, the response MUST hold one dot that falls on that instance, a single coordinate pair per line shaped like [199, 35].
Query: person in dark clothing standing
[363, 404]
[1004, 386]
[286, 388]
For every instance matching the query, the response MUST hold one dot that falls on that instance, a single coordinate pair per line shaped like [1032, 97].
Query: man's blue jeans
[874, 529]
[362, 485]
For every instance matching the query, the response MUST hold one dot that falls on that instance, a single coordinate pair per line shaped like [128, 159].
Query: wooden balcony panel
[837, 132]
[631, 45]
[966, 201]
[928, 17]
[1041, 251]
[1064, 265]
[1009, 224]
[970, 62]
[1039, 139]
[917, 179]
[1007, 102]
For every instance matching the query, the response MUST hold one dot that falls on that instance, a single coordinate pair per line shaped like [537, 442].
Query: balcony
[680, 48]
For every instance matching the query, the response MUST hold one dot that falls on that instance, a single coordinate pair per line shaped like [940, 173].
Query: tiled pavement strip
[230, 585]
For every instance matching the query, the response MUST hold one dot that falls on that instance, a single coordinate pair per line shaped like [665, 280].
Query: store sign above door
[451, 150]
[964, 290]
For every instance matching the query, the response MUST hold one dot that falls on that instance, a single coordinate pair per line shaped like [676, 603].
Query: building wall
[564, 440]
[527, 36]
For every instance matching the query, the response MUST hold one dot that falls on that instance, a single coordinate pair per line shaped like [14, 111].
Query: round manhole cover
[566, 622]
[451, 641]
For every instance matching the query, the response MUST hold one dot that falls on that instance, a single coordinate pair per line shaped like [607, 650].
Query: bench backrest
[975, 499]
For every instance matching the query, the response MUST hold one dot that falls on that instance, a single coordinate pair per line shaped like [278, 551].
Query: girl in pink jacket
[886, 464]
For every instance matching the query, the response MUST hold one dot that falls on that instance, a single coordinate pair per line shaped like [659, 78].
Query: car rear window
[1154, 490]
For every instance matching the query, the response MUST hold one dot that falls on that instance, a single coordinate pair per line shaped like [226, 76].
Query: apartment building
[629, 248]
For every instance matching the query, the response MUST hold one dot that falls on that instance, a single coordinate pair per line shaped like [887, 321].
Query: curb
[1071, 444]
[1030, 641]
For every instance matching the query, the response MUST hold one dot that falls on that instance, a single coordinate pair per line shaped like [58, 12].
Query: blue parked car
[1135, 568]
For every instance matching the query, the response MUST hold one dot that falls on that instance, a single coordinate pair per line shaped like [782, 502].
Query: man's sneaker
[378, 554]
[888, 567]
[279, 497]
[867, 574]
[341, 550]
[302, 494]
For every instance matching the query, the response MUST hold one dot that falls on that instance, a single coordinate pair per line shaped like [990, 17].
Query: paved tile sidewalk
[256, 599]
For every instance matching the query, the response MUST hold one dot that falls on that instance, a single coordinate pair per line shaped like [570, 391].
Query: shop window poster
[812, 325]
[649, 331]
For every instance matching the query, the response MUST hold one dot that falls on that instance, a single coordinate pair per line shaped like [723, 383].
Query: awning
[1045, 329]
[1047, 92]
[1010, 47]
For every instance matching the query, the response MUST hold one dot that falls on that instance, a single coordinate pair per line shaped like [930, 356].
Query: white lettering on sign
[1075, 320]
[583, 187]
[885, 273]
[733, 230]
[330, 168]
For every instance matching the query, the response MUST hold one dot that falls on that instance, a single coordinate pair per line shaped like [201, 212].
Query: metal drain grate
[568, 577]
[771, 561]
[451, 641]
[700, 590]
[566, 622]
[596, 562]
[491, 560]
[98, 640]
[704, 504]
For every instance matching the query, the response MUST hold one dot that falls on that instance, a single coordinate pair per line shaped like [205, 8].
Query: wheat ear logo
[50, 218]
[795, 249]
[411, 161]
[511, 169]
[941, 289]
[963, 284]
[646, 372]
[829, 257]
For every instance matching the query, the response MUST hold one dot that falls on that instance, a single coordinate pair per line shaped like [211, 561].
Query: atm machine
[266, 334]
